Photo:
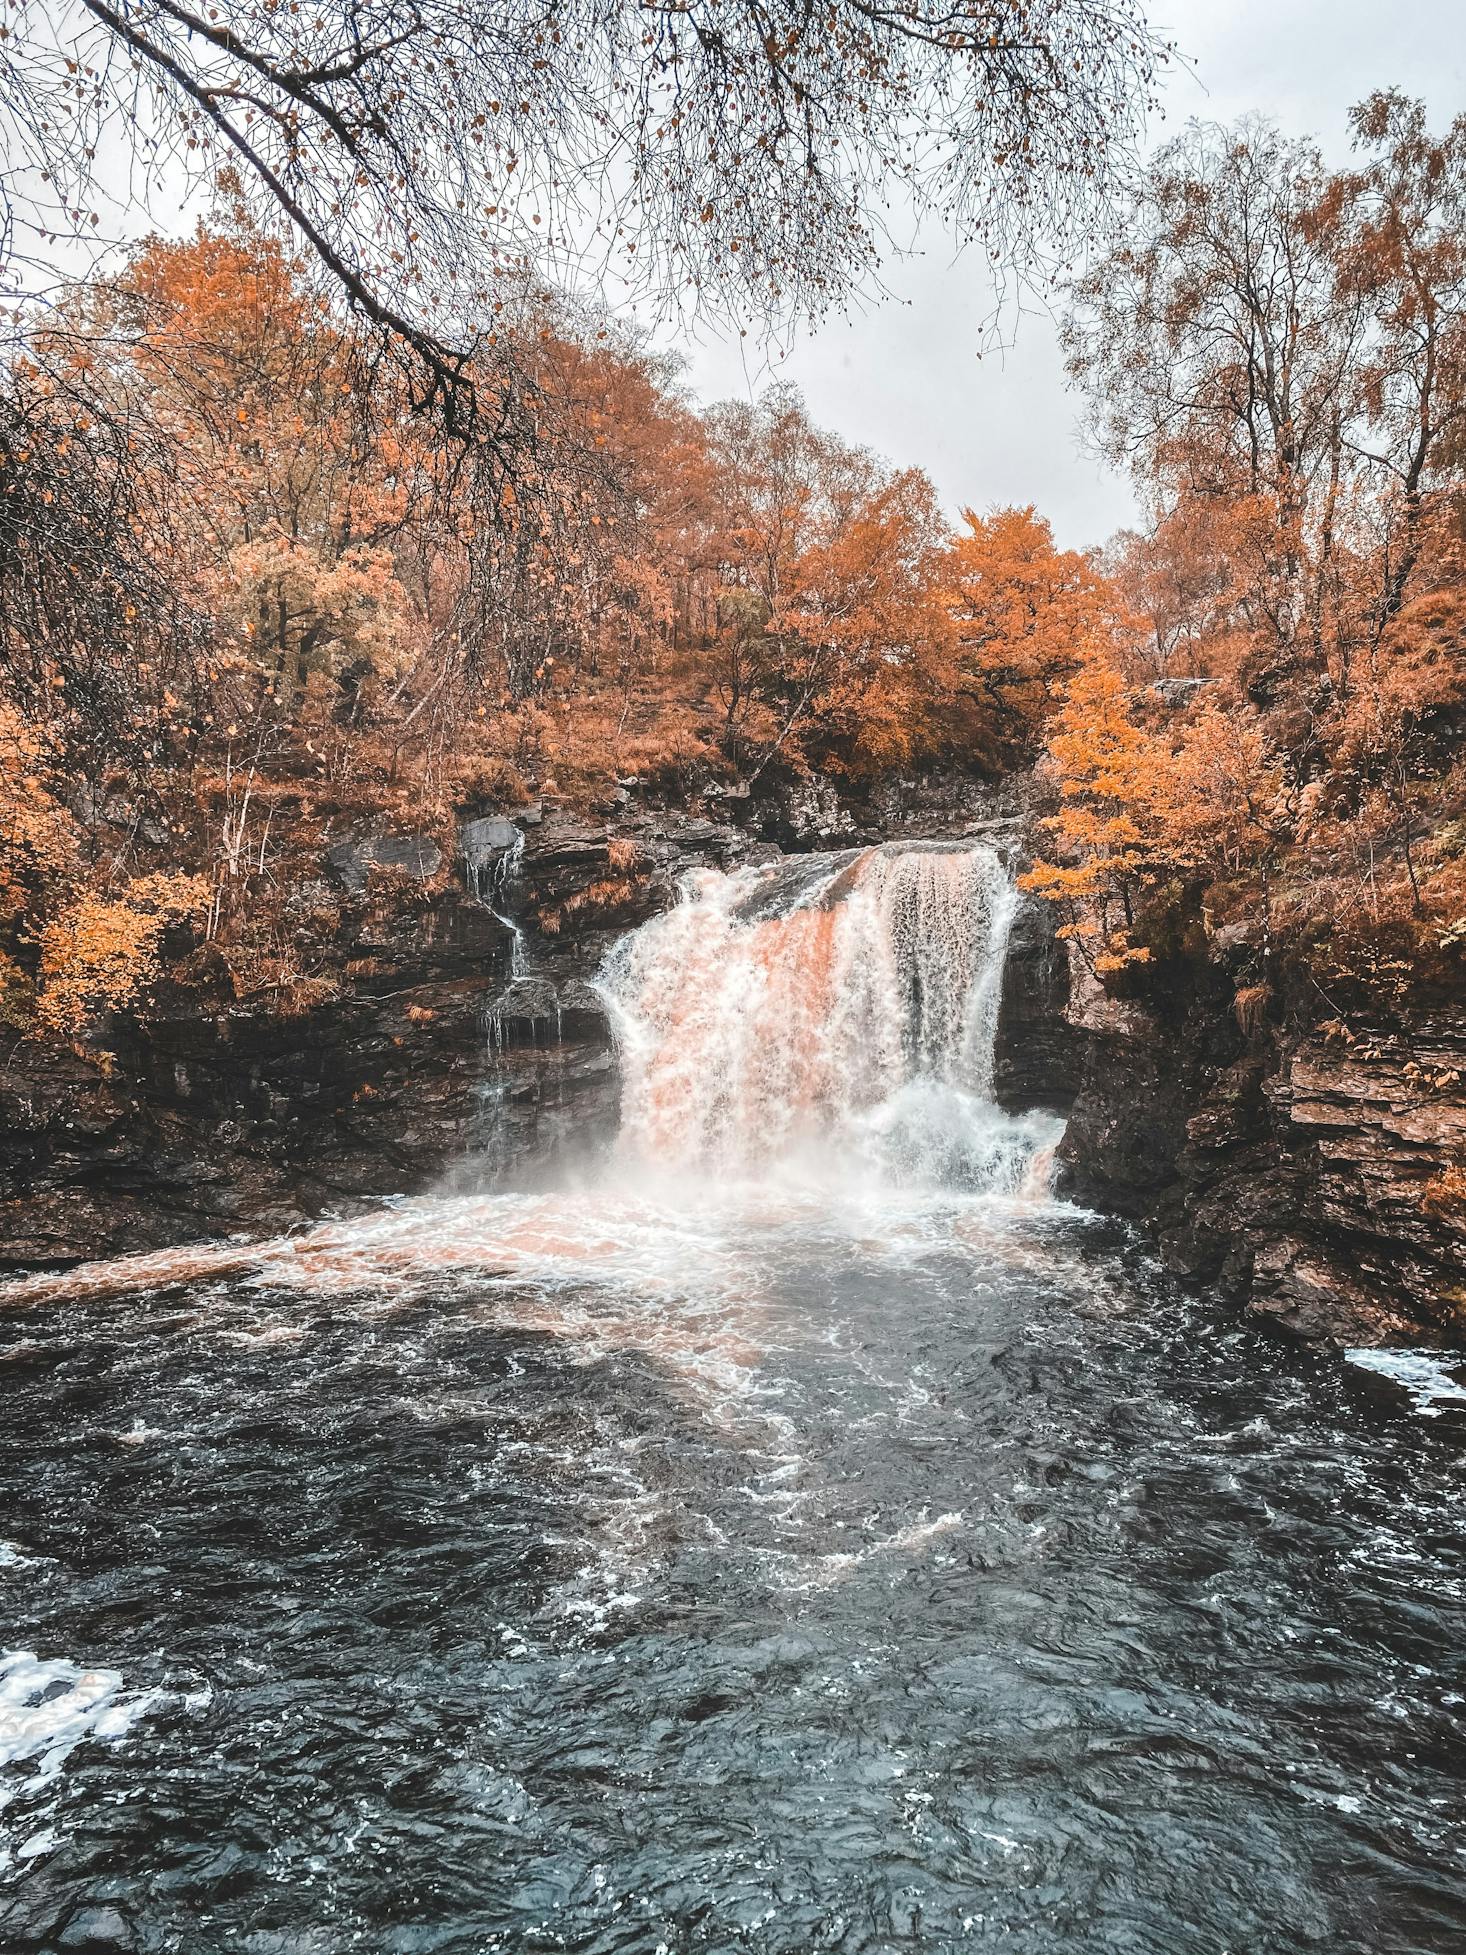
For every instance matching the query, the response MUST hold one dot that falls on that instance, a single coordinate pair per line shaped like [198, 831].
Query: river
[802, 1534]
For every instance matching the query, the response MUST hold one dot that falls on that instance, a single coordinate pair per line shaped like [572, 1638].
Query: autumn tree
[781, 487]
[1276, 350]
[95, 625]
[1402, 724]
[864, 631]
[1175, 580]
[1407, 258]
[296, 485]
[1101, 847]
[830, 629]
[100, 952]
[1149, 797]
[426, 155]
[1219, 345]
[37, 848]
[1025, 615]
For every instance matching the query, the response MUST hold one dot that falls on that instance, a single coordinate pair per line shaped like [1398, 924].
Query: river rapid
[802, 1534]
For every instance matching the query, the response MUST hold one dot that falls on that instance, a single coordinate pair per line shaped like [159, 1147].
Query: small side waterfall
[492, 867]
[833, 1013]
[493, 855]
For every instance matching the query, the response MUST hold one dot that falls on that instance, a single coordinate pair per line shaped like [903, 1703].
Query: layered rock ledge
[1317, 1182]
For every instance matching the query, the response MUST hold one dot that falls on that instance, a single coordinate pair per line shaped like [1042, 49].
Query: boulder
[487, 837]
[352, 860]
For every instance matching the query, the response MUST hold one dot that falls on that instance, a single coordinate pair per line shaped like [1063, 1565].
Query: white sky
[904, 378]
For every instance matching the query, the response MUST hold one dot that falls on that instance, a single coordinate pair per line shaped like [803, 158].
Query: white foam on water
[47, 1708]
[1429, 1377]
[137, 1434]
[153, 1269]
[13, 1555]
[683, 1271]
[266, 1334]
[905, 1541]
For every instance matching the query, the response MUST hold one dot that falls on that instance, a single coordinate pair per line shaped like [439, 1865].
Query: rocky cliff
[437, 1064]
[1318, 1182]
[1315, 1180]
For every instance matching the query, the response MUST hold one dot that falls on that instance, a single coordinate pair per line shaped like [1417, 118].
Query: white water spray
[831, 1013]
[492, 873]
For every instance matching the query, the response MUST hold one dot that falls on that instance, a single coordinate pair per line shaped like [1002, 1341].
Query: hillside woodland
[253, 597]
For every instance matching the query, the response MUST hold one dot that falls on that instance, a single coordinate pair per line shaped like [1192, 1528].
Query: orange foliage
[98, 955]
[1105, 769]
[863, 628]
[305, 611]
[1280, 354]
[1024, 615]
[36, 833]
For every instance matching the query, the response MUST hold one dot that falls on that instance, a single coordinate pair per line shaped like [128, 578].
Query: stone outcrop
[1357, 1243]
[1039, 1056]
[352, 861]
[434, 1065]
[203, 1122]
[1310, 1180]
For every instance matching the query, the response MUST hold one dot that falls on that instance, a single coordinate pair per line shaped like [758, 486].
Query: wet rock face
[1138, 1090]
[351, 862]
[435, 1067]
[1368, 1239]
[208, 1124]
[1039, 1056]
[488, 837]
[1301, 1177]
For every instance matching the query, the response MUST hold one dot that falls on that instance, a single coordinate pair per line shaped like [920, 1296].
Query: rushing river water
[857, 1551]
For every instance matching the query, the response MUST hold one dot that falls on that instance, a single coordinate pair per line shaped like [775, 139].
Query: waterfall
[833, 1014]
[492, 872]
[493, 854]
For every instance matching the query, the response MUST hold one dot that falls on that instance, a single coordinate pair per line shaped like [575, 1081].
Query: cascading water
[836, 1012]
[491, 874]
[492, 866]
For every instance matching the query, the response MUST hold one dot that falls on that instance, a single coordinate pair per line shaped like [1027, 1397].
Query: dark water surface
[930, 1577]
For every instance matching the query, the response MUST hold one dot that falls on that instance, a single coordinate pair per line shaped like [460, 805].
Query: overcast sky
[904, 378]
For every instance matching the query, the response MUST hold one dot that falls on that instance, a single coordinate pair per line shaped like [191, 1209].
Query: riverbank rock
[1039, 1055]
[436, 1065]
[1315, 1182]
[351, 861]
